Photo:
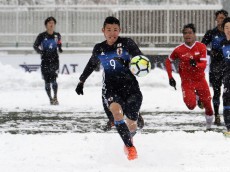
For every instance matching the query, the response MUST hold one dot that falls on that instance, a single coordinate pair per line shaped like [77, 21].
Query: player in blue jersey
[213, 38]
[47, 44]
[120, 87]
[226, 80]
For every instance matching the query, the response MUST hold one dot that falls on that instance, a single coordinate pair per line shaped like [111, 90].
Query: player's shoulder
[99, 47]
[178, 47]
[200, 44]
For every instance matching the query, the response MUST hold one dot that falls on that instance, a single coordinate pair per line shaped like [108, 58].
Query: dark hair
[226, 20]
[50, 19]
[225, 13]
[111, 20]
[191, 26]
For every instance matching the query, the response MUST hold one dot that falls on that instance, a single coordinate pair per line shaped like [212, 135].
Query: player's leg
[53, 77]
[216, 84]
[108, 113]
[226, 102]
[205, 97]
[46, 78]
[120, 124]
[189, 95]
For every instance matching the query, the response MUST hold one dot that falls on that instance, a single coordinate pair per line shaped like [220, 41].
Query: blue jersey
[214, 38]
[47, 45]
[115, 62]
[226, 53]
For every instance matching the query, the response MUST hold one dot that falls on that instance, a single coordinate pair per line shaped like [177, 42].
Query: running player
[47, 44]
[192, 63]
[120, 87]
[213, 38]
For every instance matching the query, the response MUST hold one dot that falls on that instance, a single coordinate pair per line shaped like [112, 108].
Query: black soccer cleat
[140, 121]
[108, 126]
[217, 120]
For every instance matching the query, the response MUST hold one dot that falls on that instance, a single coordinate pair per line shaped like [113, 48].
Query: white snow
[102, 152]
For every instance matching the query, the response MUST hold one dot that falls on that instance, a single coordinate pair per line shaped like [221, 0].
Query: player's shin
[124, 132]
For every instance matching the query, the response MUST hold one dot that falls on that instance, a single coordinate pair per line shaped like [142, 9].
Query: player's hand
[172, 83]
[192, 62]
[60, 50]
[79, 89]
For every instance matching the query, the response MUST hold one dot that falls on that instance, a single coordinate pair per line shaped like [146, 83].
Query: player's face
[189, 36]
[219, 19]
[227, 30]
[111, 33]
[50, 26]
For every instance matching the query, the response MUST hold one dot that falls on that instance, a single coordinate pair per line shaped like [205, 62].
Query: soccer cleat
[200, 104]
[55, 101]
[131, 153]
[51, 101]
[209, 120]
[108, 126]
[217, 120]
[140, 121]
[227, 134]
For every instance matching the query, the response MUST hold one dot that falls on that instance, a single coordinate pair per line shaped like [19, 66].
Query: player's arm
[90, 67]
[37, 44]
[168, 66]
[133, 48]
[59, 43]
[201, 64]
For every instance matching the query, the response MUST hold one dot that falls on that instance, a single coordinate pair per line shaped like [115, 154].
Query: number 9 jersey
[115, 61]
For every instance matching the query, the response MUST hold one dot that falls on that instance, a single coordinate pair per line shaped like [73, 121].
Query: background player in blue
[47, 44]
[120, 87]
[226, 80]
[214, 38]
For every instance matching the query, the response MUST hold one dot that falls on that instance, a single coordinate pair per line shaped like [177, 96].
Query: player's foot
[108, 126]
[209, 120]
[140, 121]
[51, 101]
[227, 133]
[55, 101]
[217, 120]
[200, 104]
[131, 153]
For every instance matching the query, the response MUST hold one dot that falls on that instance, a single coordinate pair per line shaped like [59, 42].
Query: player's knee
[47, 86]
[191, 106]
[116, 110]
[54, 85]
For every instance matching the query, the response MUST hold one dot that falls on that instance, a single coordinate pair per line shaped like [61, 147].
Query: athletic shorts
[129, 101]
[50, 71]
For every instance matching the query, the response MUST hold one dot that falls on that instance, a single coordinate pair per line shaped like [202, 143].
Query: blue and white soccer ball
[140, 65]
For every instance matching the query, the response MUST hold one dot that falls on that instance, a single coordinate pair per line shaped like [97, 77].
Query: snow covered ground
[164, 147]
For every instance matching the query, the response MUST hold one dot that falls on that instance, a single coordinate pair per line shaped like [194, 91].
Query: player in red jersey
[192, 63]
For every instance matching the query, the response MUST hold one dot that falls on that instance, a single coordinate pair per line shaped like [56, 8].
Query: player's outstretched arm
[168, 66]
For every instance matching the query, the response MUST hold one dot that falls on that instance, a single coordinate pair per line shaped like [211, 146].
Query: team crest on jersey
[119, 51]
[197, 53]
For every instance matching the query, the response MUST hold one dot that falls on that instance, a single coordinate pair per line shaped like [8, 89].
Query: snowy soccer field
[35, 136]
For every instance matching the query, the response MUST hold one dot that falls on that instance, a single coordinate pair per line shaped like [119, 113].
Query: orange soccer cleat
[131, 152]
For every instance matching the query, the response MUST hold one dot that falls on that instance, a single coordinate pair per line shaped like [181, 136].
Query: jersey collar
[190, 47]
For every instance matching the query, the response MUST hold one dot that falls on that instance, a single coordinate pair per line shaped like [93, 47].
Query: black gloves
[192, 62]
[60, 50]
[172, 82]
[79, 89]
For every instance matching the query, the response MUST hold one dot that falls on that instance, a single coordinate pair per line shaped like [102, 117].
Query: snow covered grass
[102, 152]
[92, 152]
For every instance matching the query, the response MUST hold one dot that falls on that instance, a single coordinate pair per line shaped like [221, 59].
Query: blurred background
[151, 23]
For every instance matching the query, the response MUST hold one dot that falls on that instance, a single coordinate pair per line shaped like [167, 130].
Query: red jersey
[184, 53]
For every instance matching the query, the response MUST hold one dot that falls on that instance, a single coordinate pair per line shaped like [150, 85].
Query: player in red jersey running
[192, 63]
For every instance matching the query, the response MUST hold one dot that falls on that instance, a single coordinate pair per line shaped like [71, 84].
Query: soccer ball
[140, 65]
